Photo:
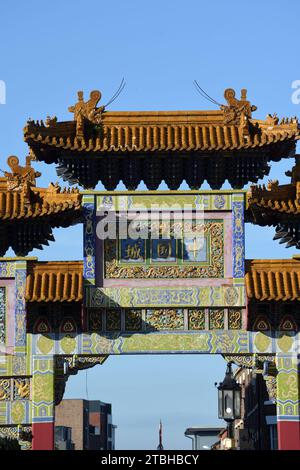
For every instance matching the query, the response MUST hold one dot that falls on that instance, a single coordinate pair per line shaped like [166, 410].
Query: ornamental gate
[187, 290]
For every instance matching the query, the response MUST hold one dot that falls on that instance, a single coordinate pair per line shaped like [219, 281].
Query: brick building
[90, 421]
[257, 427]
[257, 430]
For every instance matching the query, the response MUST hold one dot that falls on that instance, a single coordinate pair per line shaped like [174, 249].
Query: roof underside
[278, 205]
[28, 214]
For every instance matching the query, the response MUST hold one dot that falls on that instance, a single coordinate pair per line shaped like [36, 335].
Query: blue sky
[50, 50]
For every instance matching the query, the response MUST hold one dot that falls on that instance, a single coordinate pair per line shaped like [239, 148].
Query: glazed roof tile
[62, 281]
[277, 280]
[54, 281]
[96, 130]
[152, 132]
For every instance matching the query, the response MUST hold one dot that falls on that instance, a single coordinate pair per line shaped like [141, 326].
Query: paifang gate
[188, 290]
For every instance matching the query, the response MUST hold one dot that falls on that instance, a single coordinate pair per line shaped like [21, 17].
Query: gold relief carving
[164, 250]
[262, 324]
[133, 252]
[285, 341]
[251, 360]
[68, 326]
[165, 318]
[234, 319]
[231, 295]
[262, 342]
[243, 361]
[17, 412]
[133, 320]
[42, 327]
[68, 343]
[271, 384]
[287, 324]
[196, 318]
[95, 319]
[113, 320]
[5, 389]
[213, 269]
[45, 344]
[216, 319]
[22, 389]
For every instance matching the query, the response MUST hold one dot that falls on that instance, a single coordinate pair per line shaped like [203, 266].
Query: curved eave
[169, 137]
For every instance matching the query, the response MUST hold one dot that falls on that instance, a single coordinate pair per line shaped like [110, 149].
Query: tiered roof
[100, 145]
[279, 206]
[28, 213]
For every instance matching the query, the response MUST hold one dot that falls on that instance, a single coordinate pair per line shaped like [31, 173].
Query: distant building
[63, 438]
[90, 422]
[203, 437]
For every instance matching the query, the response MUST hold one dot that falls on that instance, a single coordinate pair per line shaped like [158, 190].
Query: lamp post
[229, 400]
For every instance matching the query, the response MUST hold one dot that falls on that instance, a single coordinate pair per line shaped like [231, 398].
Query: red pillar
[288, 435]
[43, 436]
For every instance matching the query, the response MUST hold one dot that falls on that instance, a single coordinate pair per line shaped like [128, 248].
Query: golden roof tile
[54, 281]
[277, 280]
[62, 281]
[99, 131]
[21, 199]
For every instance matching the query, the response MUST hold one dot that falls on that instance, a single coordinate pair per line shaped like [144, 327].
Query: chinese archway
[141, 295]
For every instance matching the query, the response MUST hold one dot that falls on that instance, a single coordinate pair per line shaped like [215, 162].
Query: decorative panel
[191, 256]
[133, 320]
[169, 319]
[2, 314]
[216, 319]
[113, 319]
[234, 319]
[196, 319]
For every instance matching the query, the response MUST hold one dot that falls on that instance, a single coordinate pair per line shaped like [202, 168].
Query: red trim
[288, 435]
[43, 436]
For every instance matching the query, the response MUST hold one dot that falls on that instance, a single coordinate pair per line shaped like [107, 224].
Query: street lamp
[229, 399]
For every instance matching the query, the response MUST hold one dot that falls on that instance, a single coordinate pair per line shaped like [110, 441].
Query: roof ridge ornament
[21, 177]
[86, 110]
[237, 111]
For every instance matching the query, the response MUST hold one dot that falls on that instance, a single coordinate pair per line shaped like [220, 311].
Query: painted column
[288, 401]
[43, 403]
[88, 205]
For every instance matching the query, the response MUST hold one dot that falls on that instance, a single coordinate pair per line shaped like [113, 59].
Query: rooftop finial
[88, 109]
[236, 108]
[20, 176]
